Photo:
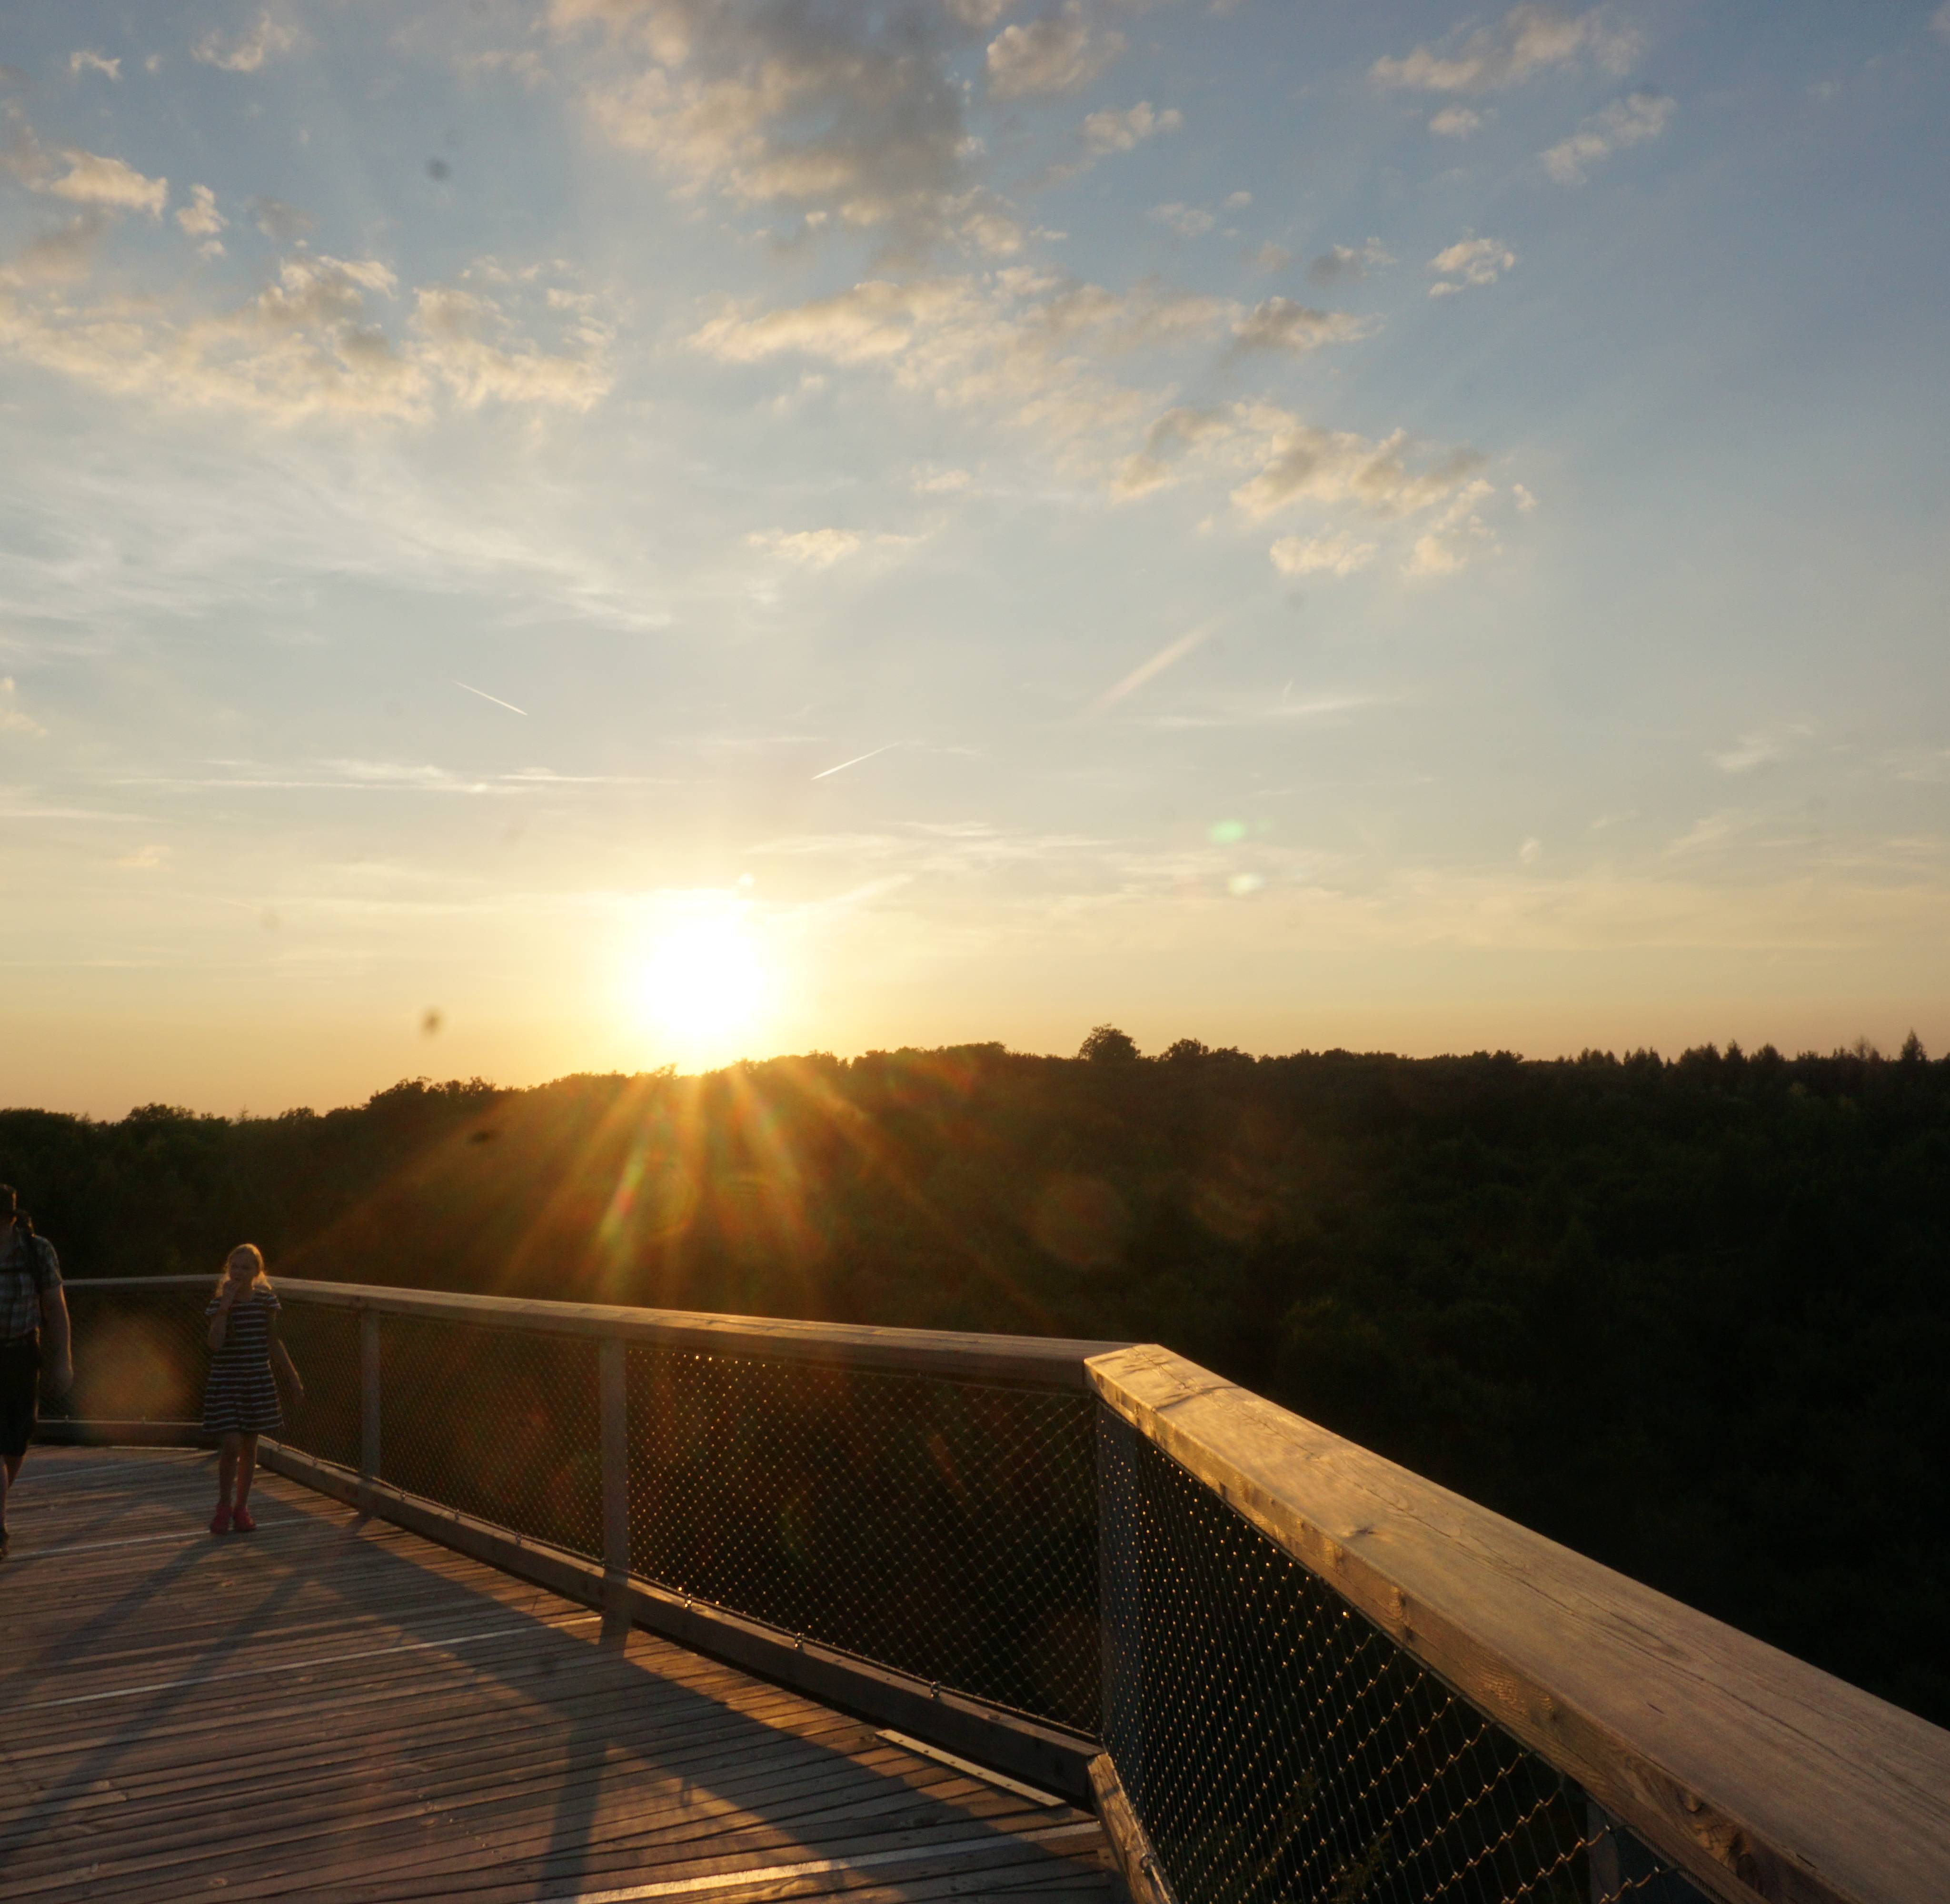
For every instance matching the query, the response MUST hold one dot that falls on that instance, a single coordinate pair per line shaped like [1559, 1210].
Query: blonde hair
[258, 1281]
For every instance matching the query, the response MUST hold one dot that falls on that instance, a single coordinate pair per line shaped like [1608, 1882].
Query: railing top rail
[1037, 1362]
[209, 1281]
[1757, 1773]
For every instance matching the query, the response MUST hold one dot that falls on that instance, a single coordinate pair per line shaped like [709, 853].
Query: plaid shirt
[24, 1277]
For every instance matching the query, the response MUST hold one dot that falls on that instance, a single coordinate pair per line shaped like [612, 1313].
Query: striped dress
[241, 1397]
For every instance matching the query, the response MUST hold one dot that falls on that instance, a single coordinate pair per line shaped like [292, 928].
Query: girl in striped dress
[240, 1400]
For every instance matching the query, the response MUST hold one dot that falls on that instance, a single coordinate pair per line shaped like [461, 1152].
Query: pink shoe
[241, 1520]
[219, 1522]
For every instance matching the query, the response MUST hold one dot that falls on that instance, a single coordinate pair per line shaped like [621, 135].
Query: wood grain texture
[1760, 1774]
[333, 1707]
[1125, 1838]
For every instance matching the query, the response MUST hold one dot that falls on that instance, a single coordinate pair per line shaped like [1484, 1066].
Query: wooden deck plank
[662, 1810]
[333, 1707]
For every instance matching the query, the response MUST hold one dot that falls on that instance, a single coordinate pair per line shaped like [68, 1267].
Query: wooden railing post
[368, 1397]
[613, 1396]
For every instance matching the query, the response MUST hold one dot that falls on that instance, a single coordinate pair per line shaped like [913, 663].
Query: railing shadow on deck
[533, 1659]
[1282, 1666]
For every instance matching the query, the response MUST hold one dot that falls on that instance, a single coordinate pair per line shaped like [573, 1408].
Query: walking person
[31, 1302]
[240, 1399]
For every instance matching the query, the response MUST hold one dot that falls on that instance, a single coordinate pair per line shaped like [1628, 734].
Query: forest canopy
[1691, 1316]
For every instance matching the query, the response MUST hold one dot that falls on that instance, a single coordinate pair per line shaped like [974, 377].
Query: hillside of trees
[1689, 1316]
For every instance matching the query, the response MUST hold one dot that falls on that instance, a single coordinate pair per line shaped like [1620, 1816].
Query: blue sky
[588, 536]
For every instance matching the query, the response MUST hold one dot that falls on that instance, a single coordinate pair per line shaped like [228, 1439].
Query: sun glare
[704, 986]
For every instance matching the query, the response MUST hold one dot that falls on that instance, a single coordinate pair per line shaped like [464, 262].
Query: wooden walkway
[331, 1707]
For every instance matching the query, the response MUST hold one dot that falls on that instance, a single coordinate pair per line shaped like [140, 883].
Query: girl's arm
[281, 1358]
[219, 1324]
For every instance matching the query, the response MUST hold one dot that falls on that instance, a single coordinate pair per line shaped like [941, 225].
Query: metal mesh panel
[503, 1424]
[1276, 1746]
[945, 1529]
[140, 1354]
[323, 1342]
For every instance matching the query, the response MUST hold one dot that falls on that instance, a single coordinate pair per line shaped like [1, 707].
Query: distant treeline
[1689, 1316]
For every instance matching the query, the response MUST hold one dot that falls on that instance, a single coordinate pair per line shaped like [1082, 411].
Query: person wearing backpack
[31, 1302]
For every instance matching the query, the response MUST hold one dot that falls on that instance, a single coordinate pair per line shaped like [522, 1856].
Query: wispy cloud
[200, 218]
[1629, 121]
[846, 113]
[1761, 748]
[118, 536]
[813, 548]
[247, 51]
[14, 719]
[1711, 833]
[326, 336]
[1062, 52]
[1339, 554]
[1458, 536]
[1347, 264]
[1025, 347]
[1111, 131]
[1470, 261]
[1302, 462]
[28, 803]
[93, 179]
[1529, 40]
[1279, 323]
[1186, 221]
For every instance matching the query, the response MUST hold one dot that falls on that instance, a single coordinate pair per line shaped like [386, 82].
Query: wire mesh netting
[1275, 1746]
[503, 1424]
[140, 1354]
[323, 1342]
[946, 1528]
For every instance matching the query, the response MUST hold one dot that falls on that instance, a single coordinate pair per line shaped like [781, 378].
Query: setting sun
[704, 984]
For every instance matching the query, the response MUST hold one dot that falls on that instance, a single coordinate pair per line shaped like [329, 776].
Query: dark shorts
[20, 1393]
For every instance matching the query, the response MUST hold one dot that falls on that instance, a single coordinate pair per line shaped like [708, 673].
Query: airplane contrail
[495, 698]
[855, 761]
[1147, 670]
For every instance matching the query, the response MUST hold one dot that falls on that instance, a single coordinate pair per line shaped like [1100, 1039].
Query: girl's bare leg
[247, 1465]
[226, 1468]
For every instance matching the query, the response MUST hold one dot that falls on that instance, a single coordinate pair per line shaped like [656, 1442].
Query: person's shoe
[219, 1522]
[241, 1520]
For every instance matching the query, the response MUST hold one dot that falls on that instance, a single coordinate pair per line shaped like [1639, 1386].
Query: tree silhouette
[1108, 1045]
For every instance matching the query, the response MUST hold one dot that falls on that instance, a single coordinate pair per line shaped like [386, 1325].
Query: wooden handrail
[1757, 1774]
[1032, 1361]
